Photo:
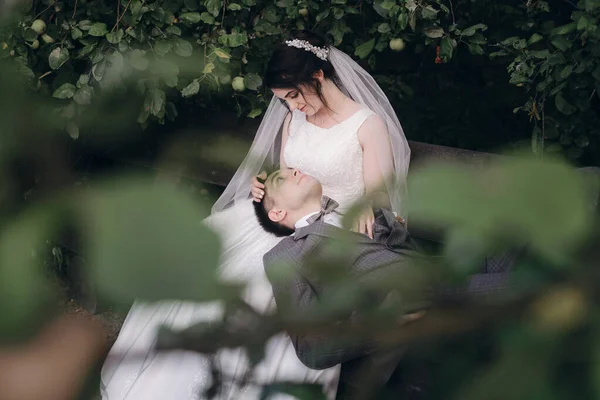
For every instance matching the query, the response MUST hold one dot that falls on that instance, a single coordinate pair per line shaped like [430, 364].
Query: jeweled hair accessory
[321, 52]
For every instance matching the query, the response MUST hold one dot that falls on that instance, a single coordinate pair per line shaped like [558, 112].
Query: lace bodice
[332, 155]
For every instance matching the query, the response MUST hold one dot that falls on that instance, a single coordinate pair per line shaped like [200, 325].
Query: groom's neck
[310, 207]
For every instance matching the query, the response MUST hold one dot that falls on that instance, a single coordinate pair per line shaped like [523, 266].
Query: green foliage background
[140, 239]
[455, 76]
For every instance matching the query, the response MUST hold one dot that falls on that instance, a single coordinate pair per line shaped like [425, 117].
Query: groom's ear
[277, 215]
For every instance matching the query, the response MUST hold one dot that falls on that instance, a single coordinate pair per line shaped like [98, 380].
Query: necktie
[327, 206]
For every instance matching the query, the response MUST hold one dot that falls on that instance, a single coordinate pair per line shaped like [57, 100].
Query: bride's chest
[323, 150]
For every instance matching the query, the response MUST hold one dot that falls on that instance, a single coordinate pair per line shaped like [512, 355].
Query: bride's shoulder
[373, 124]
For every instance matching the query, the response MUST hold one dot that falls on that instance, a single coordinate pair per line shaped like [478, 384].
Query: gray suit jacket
[390, 253]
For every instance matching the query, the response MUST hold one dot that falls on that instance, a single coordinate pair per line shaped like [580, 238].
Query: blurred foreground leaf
[515, 201]
[23, 288]
[148, 242]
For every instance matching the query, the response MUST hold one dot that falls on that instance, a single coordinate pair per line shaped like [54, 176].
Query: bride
[327, 118]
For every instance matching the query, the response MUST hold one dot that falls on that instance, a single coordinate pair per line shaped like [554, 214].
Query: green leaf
[223, 54]
[98, 29]
[207, 18]
[255, 113]
[214, 7]
[566, 71]
[470, 31]
[190, 17]
[410, 5]
[500, 53]
[191, 89]
[234, 7]
[58, 57]
[98, 71]
[85, 25]
[541, 54]
[182, 47]
[475, 49]
[234, 39]
[537, 145]
[157, 99]
[556, 59]
[208, 68]
[535, 38]
[388, 4]
[564, 29]
[403, 20]
[83, 80]
[582, 23]
[65, 91]
[563, 106]
[429, 13]
[558, 88]
[115, 37]
[446, 48]
[174, 30]
[322, 15]
[169, 255]
[338, 13]
[171, 111]
[364, 49]
[561, 43]
[477, 38]
[76, 33]
[83, 95]
[73, 130]
[384, 28]
[434, 32]
[162, 47]
[252, 81]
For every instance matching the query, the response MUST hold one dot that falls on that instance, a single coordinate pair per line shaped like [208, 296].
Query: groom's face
[289, 190]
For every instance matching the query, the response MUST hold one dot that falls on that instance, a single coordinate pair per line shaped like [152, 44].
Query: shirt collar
[302, 222]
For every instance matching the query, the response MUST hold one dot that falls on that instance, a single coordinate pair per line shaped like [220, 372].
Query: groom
[293, 204]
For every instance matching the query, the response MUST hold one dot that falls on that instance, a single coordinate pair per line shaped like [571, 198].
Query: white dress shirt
[332, 218]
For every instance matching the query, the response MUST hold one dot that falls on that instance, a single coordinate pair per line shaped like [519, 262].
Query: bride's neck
[334, 98]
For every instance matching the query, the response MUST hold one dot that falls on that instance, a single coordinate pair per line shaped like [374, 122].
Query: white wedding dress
[134, 371]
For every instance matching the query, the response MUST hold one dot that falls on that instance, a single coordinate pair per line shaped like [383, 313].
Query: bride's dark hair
[290, 67]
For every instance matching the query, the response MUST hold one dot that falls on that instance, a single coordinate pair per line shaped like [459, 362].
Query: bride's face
[306, 101]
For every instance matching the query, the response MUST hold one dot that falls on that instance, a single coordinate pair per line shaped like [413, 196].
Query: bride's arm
[378, 160]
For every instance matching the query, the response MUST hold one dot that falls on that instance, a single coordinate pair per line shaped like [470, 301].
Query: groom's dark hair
[261, 209]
